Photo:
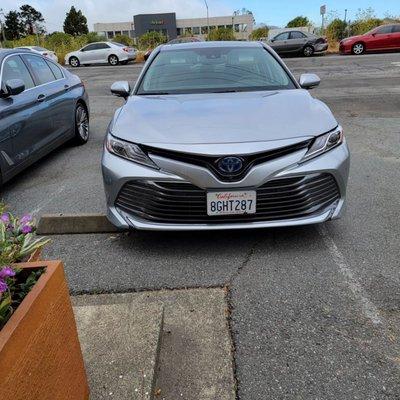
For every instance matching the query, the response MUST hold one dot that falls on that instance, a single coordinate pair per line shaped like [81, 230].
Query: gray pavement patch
[120, 338]
[58, 224]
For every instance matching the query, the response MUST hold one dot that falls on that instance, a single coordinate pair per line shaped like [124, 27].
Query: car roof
[7, 52]
[200, 45]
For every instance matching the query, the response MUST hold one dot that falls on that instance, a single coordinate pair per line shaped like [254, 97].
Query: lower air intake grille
[184, 203]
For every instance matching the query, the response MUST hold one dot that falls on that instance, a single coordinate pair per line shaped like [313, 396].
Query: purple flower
[26, 219]
[26, 229]
[3, 286]
[5, 218]
[6, 272]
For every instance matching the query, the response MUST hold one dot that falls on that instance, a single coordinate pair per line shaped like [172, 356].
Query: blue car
[42, 106]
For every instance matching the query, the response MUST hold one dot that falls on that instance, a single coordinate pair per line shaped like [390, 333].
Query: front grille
[210, 162]
[184, 203]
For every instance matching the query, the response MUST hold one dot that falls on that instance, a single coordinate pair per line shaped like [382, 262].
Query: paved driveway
[315, 310]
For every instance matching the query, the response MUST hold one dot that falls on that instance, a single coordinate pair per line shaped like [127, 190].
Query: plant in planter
[40, 355]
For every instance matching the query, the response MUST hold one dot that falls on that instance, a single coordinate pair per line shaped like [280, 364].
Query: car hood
[195, 120]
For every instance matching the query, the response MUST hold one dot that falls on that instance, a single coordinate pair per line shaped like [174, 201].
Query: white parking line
[368, 307]
[48, 200]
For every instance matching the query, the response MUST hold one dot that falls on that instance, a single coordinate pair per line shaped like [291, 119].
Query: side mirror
[14, 87]
[309, 81]
[121, 89]
[273, 40]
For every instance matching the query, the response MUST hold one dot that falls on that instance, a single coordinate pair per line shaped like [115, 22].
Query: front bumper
[345, 49]
[117, 172]
[321, 47]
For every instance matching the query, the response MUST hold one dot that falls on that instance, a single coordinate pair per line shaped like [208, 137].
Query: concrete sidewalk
[160, 344]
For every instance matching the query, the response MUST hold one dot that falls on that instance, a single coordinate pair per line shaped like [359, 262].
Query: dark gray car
[295, 42]
[42, 105]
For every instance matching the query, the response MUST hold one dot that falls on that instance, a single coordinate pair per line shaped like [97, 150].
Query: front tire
[308, 51]
[74, 62]
[81, 125]
[358, 49]
[113, 60]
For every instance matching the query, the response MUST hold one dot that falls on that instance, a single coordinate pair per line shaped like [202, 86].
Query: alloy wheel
[74, 62]
[82, 123]
[113, 60]
[308, 51]
[358, 49]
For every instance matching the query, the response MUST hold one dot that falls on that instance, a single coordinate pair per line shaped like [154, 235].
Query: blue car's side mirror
[14, 87]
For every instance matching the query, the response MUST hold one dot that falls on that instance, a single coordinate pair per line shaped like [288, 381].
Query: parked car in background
[41, 50]
[101, 53]
[382, 38]
[295, 42]
[224, 137]
[42, 105]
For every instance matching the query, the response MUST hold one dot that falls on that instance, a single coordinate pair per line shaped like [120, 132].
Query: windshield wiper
[153, 93]
[226, 91]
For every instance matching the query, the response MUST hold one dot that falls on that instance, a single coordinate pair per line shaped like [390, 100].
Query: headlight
[129, 151]
[324, 143]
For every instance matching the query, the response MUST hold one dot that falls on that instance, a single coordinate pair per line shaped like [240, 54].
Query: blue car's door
[18, 116]
[56, 103]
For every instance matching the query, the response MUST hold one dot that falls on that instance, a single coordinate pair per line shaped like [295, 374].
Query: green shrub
[259, 33]
[221, 34]
[151, 40]
[360, 27]
[123, 39]
[335, 31]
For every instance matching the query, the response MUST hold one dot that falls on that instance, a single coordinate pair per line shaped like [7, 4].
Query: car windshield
[214, 69]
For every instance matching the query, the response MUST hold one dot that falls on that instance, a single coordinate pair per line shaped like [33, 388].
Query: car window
[90, 47]
[297, 35]
[14, 68]
[384, 29]
[214, 69]
[41, 70]
[283, 36]
[55, 69]
[104, 46]
[396, 29]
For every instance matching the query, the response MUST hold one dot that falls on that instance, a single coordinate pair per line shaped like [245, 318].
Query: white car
[41, 50]
[101, 52]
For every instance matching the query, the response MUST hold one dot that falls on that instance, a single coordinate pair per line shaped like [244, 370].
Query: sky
[270, 12]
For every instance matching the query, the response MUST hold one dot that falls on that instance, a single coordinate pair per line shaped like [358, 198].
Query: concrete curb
[59, 224]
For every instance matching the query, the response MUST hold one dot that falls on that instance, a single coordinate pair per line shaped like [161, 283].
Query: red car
[382, 38]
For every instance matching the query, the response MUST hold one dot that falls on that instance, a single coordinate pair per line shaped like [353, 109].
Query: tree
[13, 28]
[298, 22]
[31, 19]
[335, 31]
[221, 34]
[152, 39]
[259, 33]
[75, 23]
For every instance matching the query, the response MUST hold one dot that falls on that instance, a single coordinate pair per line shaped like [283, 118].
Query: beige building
[242, 26]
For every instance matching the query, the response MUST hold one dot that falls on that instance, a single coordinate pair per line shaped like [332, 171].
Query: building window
[179, 31]
[110, 34]
[188, 31]
[244, 27]
[196, 30]
[132, 34]
[237, 28]
[221, 26]
[204, 30]
[117, 33]
[126, 33]
[229, 27]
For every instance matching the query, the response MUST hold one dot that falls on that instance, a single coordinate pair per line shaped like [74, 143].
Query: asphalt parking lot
[315, 311]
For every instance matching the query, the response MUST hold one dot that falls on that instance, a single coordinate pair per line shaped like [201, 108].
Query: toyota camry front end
[220, 135]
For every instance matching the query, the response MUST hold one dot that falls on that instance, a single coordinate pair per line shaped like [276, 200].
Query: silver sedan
[101, 53]
[220, 135]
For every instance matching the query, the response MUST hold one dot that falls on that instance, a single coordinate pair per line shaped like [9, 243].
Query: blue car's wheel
[81, 125]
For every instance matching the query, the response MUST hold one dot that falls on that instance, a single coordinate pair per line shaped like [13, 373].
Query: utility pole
[345, 16]
[2, 28]
[208, 20]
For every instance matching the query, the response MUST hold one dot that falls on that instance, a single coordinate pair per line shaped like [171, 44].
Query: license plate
[231, 203]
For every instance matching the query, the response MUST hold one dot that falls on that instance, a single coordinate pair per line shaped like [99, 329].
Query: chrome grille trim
[184, 203]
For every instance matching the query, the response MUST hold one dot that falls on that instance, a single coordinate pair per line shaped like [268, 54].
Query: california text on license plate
[231, 203]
